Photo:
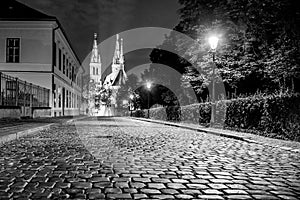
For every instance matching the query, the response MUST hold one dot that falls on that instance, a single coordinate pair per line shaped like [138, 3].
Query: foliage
[275, 115]
[127, 89]
[103, 95]
[259, 47]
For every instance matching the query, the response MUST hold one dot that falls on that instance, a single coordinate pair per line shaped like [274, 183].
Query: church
[112, 82]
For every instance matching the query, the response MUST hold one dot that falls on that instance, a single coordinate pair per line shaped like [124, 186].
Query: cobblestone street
[120, 158]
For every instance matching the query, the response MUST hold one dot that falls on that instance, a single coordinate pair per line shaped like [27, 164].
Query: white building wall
[36, 60]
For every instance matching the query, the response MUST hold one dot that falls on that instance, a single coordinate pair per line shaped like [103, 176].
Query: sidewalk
[11, 129]
[247, 137]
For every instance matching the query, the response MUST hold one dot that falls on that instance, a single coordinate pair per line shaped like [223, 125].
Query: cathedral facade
[108, 85]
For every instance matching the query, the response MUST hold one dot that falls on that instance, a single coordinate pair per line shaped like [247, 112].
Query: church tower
[95, 63]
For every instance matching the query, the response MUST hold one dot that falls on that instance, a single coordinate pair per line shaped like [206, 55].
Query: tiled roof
[14, 10]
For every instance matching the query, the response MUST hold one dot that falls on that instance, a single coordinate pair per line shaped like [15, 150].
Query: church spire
[116, 58]
[95, 63]
[95, 58]
[121, 52]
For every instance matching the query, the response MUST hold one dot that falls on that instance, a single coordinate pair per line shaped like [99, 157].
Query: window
[13, 50]
[97, 71]
[67, 99]
[59, 59]
[67, 65]
[93, 70]
[70, 71]
[54, 54]
[54, 95]
[73, 75]
[64, 64]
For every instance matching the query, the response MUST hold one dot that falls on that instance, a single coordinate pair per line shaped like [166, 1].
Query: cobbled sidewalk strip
[218, 132]
[18, 134]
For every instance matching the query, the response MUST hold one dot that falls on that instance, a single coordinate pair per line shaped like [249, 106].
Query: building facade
[35, 48]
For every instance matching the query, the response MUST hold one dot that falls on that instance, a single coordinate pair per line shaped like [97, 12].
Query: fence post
[17, 91]
[24, 98]
[30, 100]
[1, 89]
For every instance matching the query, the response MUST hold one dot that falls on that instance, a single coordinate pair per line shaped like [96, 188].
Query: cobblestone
[118, 158]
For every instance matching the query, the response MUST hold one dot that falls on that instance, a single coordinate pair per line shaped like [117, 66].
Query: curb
[15, 136]
[194, 129]
[215, 132]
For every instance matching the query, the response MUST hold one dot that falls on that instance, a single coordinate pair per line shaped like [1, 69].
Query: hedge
[275, 116]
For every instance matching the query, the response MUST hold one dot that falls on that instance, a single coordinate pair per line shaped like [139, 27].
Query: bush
[158, 113]
[139, 113]
[273, 116]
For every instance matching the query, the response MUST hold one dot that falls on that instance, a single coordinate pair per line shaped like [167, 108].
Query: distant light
[131, 96]
[148, 85]
[213, 42]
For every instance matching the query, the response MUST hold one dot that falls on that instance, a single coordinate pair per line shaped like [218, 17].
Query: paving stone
[169, 191]
[196, 186]
[121, 185]
[156, 185]
[267, 197]
[160, 180]
[190, 191]
[210, 197]
[224, 181]
[183, 196]
[137, 185]
[119, 196]
[201, 181]
[82, 185]
[233, 191]
[238, 197]
[102, 184]
[212, 191]
[175, 185]
[288, 197]
[96, 196]
[179, 180]
[130, 190]
[113, 190]
[163, 196]
[150, 191]
[140, 196]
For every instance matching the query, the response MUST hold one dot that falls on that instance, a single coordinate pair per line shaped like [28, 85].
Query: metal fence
[15, 92]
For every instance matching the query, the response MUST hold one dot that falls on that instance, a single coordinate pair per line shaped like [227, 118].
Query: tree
[259, 47]
[260, 40]
[126, 89]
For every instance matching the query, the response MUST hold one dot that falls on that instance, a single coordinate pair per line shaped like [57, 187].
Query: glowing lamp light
[131, 96]
[213, 42]
[148, 85]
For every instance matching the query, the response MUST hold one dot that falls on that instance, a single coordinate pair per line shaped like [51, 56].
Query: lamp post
[213, 41]
[148, 85]
[131, 97]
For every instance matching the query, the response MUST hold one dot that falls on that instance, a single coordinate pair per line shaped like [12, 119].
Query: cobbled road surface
[119, 158]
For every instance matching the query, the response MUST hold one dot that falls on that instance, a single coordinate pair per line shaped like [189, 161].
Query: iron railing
[16, 92]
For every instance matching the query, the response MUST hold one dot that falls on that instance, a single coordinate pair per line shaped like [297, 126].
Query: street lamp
[148, 85]
[131, 97]
[213, 42]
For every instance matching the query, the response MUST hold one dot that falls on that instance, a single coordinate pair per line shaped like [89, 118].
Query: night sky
[81, 18]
